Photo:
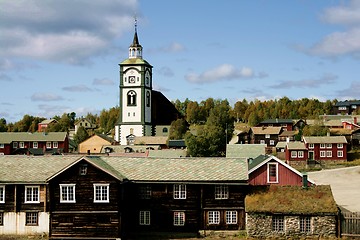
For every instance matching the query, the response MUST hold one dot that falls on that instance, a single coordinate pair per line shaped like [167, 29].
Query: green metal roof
[244, 150]
[131, 61]
[9, 137]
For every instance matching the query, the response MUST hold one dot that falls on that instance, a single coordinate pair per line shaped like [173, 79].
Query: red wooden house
[296, 153]
[13, 143]
[326, 148]
[44, 124]
[269, 170]
[265, 135]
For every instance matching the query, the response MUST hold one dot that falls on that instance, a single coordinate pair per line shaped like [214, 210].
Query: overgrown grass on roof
[292, 200]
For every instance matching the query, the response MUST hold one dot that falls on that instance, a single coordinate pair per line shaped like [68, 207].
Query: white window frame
[145, 192]
[300, 154]
[322, 145]
[101, 193]
[48, 144]
[214, 217]
[179, 218]
[32, 219]
[340, 153]
[2, 193]
[179, 191]
[231, 217]
[144, 217]
[277, 172]
[305, 224]
[221, 191]
[293, 154]
[328, 145]
[21, 145]
[272, 142]
[70, 190]
[267, 135]
[322, 153]
[35, 145]
[32, 194]
[55, 144]
[329, 154]
[262, 141]
[2, 145]
[278, 224]
[15, 144]
[340, 145]
[311, 146]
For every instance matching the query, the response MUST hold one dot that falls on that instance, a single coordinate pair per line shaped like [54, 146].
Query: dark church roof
[163, 111]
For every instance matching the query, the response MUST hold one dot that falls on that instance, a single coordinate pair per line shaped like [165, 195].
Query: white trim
[32, 194]
[107, 193]
[282, 163]
[268, 172]
[73, 192]
[3, 193]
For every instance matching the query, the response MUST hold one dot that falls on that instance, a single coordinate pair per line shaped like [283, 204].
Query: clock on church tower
[135, 96]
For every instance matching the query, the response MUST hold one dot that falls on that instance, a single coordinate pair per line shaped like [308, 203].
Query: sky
[62, 56]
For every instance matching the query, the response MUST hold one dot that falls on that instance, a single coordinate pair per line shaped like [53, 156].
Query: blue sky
[62, 56]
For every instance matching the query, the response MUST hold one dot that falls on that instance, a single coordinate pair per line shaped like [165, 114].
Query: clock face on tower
[131, 79]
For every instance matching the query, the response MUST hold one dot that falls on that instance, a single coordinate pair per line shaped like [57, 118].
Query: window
[165, 130]
[21, 145]
[272, 142]
[231, 217]
[328, 145]
[322, 153]
[35, 145]
[262, 141]
[15, 144]
[145, 192]
[1, 218]
[340, 153]
[83, 169]
[305, 224]
[311, 145]
[179, 191]
[322, 145]
[101, 193]
[300, 154]
[328, 153]
[221, 192]
[148, 99]
[131, 98]
[144, 218]
[214, 217]
[267, 135]
[67, 193]
[278, 223]
[340, 145]
[2, 145]
[179, 218]
[2, 194]
[48, 144]
[32, 194]
[272, 172]
[293, 154]
[55, 144]
[31, 218]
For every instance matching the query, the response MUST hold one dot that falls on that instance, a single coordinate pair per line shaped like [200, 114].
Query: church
[143, 111]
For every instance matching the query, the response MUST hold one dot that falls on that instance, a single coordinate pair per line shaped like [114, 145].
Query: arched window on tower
[131, 98]
[148, 99]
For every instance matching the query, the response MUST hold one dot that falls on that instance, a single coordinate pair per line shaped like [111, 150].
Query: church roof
[135, 42]
[133, 61]
[163, 111]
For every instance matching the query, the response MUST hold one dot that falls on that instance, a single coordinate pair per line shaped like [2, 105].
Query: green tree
[81, 135]
[3, 127]
[178, 129]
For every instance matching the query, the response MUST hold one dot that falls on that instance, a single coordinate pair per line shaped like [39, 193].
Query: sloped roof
[48, 121]
[277, 121]
[315, 200]
[163, 111]
[325, 139]
[132, 61]
[8, 137]
[244, 150]
[153, 140]
[281, 145]
[266, 130]
[288, 134]
[296, 145]
[31, 169]
[347, 103]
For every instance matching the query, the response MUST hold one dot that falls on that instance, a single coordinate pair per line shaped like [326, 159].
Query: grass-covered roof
[314, 200]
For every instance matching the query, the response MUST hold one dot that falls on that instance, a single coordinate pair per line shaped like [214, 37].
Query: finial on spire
[135, 22]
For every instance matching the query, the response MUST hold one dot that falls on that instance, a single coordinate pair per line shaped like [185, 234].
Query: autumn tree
[178, 129]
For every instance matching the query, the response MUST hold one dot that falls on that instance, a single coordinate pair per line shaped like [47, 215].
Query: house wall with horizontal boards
[14, 223]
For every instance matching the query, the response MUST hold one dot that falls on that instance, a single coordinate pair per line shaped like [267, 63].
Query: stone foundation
[260, 226]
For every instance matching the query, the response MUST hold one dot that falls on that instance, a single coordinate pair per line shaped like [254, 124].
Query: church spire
[135, 49]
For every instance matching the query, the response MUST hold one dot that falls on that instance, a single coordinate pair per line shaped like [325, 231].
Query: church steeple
[135, 49]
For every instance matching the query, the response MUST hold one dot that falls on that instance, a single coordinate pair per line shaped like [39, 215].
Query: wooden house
[269, 170]
[285, 124]
[326, 149]
[265, 135]
[42, 126]
[95, 143]
[85, 123]
[19, 143]
[293, 211]
[346, 107]
[296, 154]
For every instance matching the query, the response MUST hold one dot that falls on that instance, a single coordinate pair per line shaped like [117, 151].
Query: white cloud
[350, 93]
[62, 31]
[345, 14]
[222, 72]
[77, 88]
[45, 97]
[306, 83]
[103, 82]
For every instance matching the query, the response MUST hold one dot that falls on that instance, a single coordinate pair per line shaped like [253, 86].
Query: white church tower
[135, 96]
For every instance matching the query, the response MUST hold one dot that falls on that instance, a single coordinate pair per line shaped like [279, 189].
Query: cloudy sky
[61, 56]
